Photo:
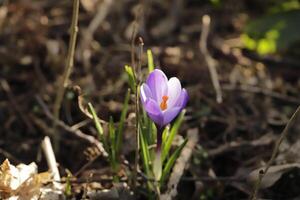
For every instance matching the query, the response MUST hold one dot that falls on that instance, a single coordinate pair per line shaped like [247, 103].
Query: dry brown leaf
[5, 179]
[32, 186]
[21, 182]
[272, 176]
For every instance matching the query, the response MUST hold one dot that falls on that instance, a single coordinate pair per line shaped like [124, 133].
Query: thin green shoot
[98, 126]
[121, 123]
[167, 142]
[131, 78]
[150, 61]
[171, 161]
[112, 139]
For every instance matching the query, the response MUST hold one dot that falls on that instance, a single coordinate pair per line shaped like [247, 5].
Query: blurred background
[253, 45]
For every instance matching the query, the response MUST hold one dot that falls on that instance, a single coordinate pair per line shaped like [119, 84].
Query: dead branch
[262, 141]
[69, 62]
[274, 153]
[76, 132]
[211, 63]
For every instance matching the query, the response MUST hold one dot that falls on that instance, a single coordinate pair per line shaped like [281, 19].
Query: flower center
[163, 104]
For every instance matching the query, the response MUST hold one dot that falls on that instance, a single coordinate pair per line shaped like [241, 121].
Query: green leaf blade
[150, 61]
[171, 161]
[121, 123]
[167, 142]
[131, 78]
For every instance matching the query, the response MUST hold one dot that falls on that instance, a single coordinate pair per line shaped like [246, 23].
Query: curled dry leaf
[273, 175]
[5, 179]
[22, 182]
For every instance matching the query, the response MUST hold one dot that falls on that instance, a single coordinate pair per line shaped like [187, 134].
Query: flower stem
[157, 164]
[159, 138]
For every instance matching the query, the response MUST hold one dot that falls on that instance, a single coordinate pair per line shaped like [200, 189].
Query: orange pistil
[163, 104]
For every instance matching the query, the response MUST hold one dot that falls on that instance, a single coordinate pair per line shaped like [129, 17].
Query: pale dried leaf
[32, 186]
[5, 179]
[180, 164]
[22, 182]
[273, 175]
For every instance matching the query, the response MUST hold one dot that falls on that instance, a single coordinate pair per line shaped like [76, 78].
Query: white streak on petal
[174, 91]
[157, 82]
[145, 92]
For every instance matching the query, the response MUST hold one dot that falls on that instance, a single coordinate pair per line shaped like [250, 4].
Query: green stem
[157, 164]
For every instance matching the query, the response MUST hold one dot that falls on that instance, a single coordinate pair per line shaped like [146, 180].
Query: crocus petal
[145, 93]
[170, 114]
[183, 98]
[174, 90]
[157, 82]
[154, 111]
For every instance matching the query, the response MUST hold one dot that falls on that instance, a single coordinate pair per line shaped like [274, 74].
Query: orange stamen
[163, 104]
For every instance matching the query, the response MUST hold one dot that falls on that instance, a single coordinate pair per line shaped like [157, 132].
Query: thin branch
[211, 63]
[102, 11]
[77, 132]
[262, 91]
[69, 62]
[9, 156]
[135, 66]
[15, 105]
[274, 153]
[137, 110]
[144, 179]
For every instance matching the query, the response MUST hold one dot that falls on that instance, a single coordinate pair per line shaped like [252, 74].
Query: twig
[15, 105]
[77, 132]
[50, 157]
[81, 124]
[258, 90]
[262, 141]
[86, 165]
[9, 156]
[137, 110]
[102, 11]
[144, 179]
[274, 153]
[211, 63]
[135, 71]
[69, 65]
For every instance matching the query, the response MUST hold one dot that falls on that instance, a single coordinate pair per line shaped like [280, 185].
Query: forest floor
[235, 136]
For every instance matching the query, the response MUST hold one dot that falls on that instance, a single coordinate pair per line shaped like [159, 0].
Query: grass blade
[150, 60]
[166, 133]
[96, 120]
[121, 123]
[112, 139]
[131, 78]
[145, 153]
[98, 127]
[167, 143]
[171, 161]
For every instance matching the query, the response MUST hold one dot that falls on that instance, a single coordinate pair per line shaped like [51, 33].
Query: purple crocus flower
[162, 99]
